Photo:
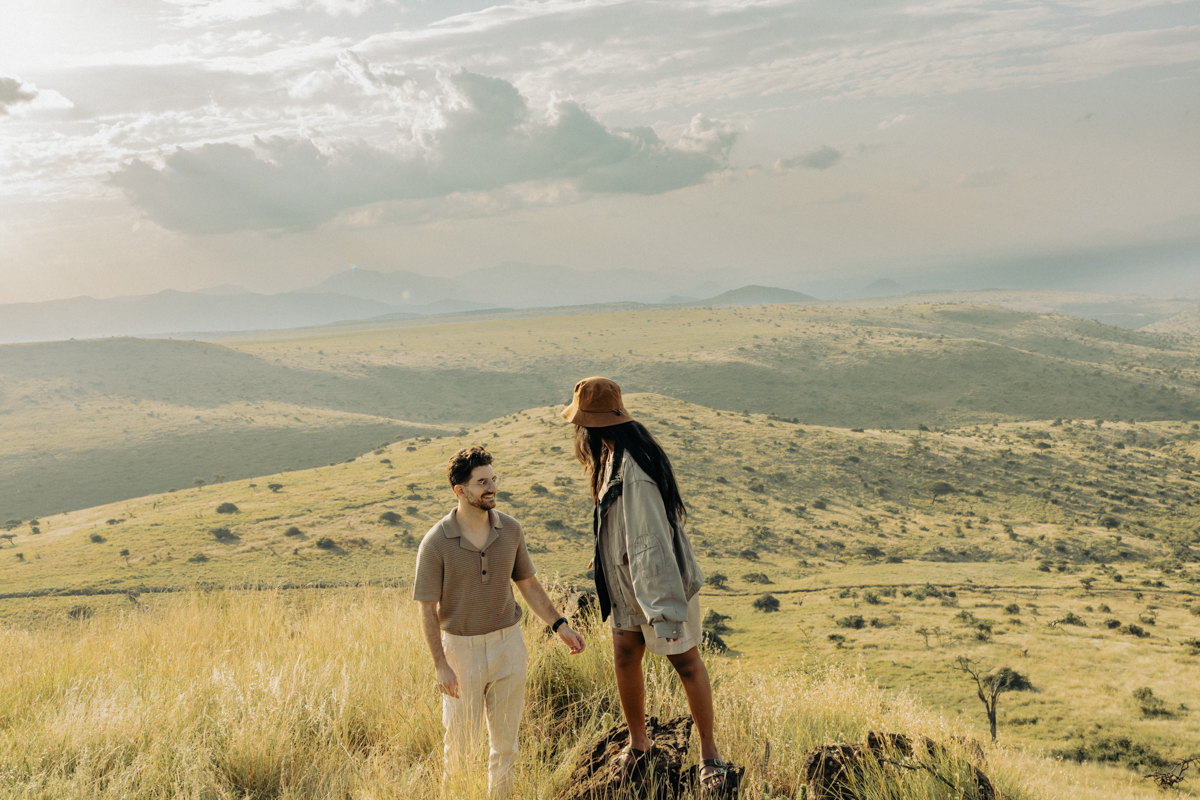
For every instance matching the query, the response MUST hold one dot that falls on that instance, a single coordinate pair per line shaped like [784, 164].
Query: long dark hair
[634, 440]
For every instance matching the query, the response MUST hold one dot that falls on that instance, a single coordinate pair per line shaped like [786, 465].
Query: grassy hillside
[1185, 323]
[1031, 535]
[304, 694]
[101, 420]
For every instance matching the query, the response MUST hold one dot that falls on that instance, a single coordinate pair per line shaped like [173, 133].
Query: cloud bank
[823, 157]
[13, 92]
[481, 136]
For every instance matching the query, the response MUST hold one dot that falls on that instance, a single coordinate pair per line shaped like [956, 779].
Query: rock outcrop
[666, 780]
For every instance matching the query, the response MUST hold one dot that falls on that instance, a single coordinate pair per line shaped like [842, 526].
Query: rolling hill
[88, 422]
[1012, 543]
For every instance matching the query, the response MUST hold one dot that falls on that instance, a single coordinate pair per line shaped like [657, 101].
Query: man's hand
[572, 639]
[447, 681]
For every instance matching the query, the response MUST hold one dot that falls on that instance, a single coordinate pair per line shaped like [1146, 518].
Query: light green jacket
[649, 567]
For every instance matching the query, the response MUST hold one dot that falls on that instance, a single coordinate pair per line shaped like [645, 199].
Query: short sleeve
[522, 565]
[428, 584]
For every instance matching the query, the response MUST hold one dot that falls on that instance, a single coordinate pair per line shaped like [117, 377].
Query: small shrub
[767, 604]
[389, 518]
[224, 534]
[1134, 630]
[820, 504]
[940, 488]
[408, 540]
[97, 538]
[717, 580]
[1071, 618]
[293, 531]
[274, 487]
[1012, 608]
[1148, 704]
[555, 525]
[837, 639]
[227, 508]
[749, 555]
[854, 621]
[1195, 609]
[1111, 623]
[872, 599]
[325, 543]
[715, 621]
[199, 558]
[1104, 609]
[537, 488]
[504, 496]
[756, 577]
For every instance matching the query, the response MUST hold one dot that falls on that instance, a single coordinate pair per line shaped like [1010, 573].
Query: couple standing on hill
[647, 581]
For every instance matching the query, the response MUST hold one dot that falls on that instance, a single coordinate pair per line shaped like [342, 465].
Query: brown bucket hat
[597, 404]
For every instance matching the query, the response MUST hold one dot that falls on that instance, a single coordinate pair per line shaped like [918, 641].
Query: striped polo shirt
[472, 586]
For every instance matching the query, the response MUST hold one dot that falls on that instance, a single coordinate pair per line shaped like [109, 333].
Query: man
[471, 621]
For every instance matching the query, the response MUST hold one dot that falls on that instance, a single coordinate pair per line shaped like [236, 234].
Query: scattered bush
[767, 604]
[555, 525]
[712, 642]
[715, 621]
[1148, 704]
[717, 580]
[756, 577]
[97, 538]
[1071, 618]
[537, 488]
[1012, 608]
[224, 534]
[837, 639]
[854, 621]
[749, 555]
[1111, 623]
[940, 488]
[504, 497]
[820, 504]
[293, 531]
[408, 540]
[274, 487]
[325, 543]
[389, 518]
[199, 558]
[227, 508]
[1134, 630]
[872, 599]
[1114, 750]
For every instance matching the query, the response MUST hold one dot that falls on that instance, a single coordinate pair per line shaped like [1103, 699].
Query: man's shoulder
[435, 534]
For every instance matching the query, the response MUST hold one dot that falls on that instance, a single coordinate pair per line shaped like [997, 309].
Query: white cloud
[823, 157]
[203, 13]
[477, 136]
[890, 121]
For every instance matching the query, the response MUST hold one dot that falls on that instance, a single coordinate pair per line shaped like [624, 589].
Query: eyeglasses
[483, 483]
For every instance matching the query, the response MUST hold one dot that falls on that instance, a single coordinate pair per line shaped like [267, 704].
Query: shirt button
[485, 572]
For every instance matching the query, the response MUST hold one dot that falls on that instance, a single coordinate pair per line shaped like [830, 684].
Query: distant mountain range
[363, 295]
[354, 294]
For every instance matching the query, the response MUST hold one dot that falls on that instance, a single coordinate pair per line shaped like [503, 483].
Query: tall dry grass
[314, 695]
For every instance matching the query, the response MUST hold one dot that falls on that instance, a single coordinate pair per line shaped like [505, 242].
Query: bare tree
[990, 685]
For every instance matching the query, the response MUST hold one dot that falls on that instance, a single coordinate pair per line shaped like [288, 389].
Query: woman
[647, 577]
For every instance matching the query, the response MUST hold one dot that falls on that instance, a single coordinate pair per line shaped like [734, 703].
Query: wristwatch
[558, 622]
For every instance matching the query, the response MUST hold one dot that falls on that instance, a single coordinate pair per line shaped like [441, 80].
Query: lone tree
[990, 685]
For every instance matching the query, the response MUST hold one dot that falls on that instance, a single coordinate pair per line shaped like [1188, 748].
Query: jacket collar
[452, 530]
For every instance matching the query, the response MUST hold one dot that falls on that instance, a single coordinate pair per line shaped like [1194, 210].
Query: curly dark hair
[460, 465]
[634, 440]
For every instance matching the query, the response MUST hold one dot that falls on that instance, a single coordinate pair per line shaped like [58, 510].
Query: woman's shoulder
[632, 471]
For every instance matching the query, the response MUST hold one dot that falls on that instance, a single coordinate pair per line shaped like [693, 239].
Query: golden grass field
[257, 694]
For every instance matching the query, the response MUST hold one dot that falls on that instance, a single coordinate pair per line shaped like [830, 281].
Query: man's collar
[452, 530]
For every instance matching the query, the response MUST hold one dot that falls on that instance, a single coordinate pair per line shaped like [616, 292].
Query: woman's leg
[694, 676]
[628, 649]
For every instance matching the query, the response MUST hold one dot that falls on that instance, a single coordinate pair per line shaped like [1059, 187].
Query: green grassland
[1057, 518]
[96, 421]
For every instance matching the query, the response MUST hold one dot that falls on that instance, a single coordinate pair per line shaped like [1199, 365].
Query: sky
[820, 145]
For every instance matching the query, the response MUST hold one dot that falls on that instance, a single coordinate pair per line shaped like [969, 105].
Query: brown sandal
[714, 780]
[631, 764]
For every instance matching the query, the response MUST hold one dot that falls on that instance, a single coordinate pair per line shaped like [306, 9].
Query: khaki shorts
[690, 638]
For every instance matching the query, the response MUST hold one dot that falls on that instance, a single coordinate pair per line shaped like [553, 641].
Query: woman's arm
[657, 583]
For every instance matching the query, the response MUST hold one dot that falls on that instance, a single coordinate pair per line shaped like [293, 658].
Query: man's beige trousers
[491, 688]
